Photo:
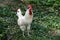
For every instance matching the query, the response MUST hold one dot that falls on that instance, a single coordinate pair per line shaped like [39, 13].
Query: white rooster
[25, 21]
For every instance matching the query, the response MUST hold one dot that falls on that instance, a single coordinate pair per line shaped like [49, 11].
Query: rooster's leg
[23, 29]
[28, 30]
[23, 34]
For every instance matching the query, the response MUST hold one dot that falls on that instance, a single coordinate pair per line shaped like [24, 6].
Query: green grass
[46, 18]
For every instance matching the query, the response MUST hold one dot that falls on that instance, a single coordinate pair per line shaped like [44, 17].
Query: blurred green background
[45, 25]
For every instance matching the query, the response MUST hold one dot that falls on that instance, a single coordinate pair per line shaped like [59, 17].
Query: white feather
[25, 20]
